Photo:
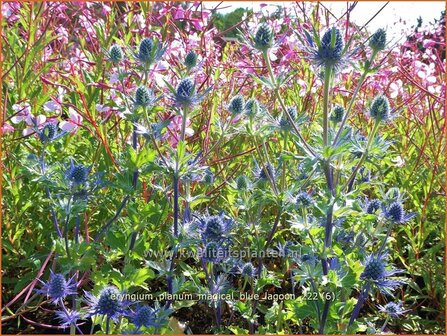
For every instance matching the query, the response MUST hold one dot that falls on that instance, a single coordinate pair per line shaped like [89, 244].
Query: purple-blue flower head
[109, 303]
[392, 309]
[303, 200]
[376, 272]
[149, 52]
[77, 174]
[185, 95]
[214, 251]
[327, 52]
[68, 318]
[144, 316]
[396, 213]
[49, 132]
[214, 227]
[144, 97]
[248, 270]
[57, 288]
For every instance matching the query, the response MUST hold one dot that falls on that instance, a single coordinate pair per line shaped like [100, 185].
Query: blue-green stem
[107, 325]
[388, 232]
[364, 155]
[384, 324]
[184, 117]
[67, 219]
[354, 96]
[362, 297]
[283, 106]
[283, 176]
[47, 190]
[327, 86]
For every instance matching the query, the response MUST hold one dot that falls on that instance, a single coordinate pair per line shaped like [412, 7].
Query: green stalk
[364, 155]
[184, 116]
[327, 85]
[283, 177]
[283, 106]
[384, 325]
[356, 91]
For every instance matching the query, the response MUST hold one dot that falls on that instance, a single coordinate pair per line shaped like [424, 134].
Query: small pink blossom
[174, 129]
[72, 124]
[23, 111]
[7, 128]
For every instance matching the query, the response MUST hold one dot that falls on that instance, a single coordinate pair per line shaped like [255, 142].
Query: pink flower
[34, 123]
[7, 128]
[23, 111]
[72, 124]
[174, 130]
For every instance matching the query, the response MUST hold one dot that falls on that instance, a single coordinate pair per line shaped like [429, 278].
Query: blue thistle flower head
[144, 97]
[396, 213]
[377, 42]
[392, 309]
[376, 272]
[236, 105]
[145, 316]
[248, 270]
[263, 39]
[380, 109]
[242, 183]
[372, 206]
[108, 303]
[337, 114]
[186, 89]
[185, 95]
[116, 54]
[303, 200]
[49, 133]
[77, 174]
[374, 269]
[284, 122]
[145, 50]
[330, 51]
[209, 177]
[261, 172]
[149, 51]
[214, 228]
[252, 108]
[68, 318]
[57, 288]
[190, 60]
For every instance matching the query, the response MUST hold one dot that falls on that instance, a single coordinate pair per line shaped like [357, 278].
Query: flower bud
[337, 114]
[303, 200]
[143, 96]
[116, 54]
[237, 104]
[252, 107]
[145, 50]
[263, 37]
[191, 60]
[242, 183]
[331, 49]
[380, 109]
[377, 42]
